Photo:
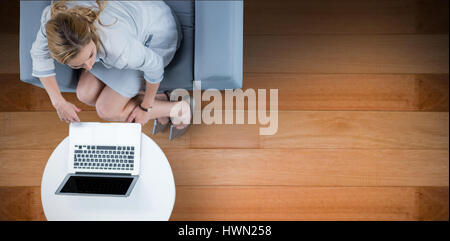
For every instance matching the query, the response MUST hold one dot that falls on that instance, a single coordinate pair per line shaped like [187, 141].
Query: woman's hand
[139, 116]
[67, 111]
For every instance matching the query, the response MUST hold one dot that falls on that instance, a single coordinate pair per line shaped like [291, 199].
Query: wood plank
[433, 203]
[432, 16]
[272, 203]
[21, 204]
[432, 92]
[296, 129]
[306, 167]
[346, 17]
[347, 54]
[10, 17]
[9, 47]
[25, 130]
[360, 130]
[31, 129]
[332, 129]
[310, 203]
[317, 167]
[17, 95]
[224, 136]
[393, 92]
[22, 167]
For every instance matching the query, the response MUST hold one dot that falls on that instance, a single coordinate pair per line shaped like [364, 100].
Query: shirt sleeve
[135, 55]
[43, 63]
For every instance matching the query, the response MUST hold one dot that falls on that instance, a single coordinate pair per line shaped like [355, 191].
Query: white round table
[152, 198]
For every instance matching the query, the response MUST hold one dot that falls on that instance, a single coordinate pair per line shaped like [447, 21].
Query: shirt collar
[100, 54]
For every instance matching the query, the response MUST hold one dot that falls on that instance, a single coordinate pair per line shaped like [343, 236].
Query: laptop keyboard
[88, 157]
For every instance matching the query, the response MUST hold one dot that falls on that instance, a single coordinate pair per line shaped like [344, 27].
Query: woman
[122, 48]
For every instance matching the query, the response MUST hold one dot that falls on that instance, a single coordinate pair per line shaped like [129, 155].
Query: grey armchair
[211, 50]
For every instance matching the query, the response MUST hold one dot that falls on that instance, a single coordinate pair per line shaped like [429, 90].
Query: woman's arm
[52, 88]
[42, 63]
[135, 55]
[66, 111]
[150, 93]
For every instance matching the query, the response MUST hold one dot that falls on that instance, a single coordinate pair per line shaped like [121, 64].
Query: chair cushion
[178, 74]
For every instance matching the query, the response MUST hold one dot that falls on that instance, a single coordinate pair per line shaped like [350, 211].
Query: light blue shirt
[127, 42]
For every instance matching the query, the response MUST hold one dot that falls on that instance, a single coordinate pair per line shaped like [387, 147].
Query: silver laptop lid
[104, 147]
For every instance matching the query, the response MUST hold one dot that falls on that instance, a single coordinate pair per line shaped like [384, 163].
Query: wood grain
[360, 130]
[9, 47]
[347, 54]
[296, 129]
[272, 203]
[22, 167]
[388, 92]
[432, 16]
[15, 130]
[224, 136]
[309, 167]
[10, 16]
[263, 17]
[21, 204]
[393, 92]
[303, 167]
[310, 203]
[17, 95]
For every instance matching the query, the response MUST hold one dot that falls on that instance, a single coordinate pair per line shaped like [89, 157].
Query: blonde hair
[69, 30]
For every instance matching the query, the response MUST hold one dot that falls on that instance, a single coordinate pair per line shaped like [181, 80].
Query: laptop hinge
[103, 173]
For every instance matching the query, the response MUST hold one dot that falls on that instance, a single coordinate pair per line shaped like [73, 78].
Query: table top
[152, 198]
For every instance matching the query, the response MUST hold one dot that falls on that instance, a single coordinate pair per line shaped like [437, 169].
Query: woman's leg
[162, 120]
[89, 88]
[162, 97]
[112, 106]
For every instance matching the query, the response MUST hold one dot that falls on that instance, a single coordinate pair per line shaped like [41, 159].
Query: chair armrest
[219, 44]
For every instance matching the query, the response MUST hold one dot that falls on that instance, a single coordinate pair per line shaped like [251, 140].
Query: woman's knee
[88, 88]
[109, 110]
[105, 111]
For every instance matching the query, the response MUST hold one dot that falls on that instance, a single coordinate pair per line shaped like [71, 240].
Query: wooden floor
[363, 121]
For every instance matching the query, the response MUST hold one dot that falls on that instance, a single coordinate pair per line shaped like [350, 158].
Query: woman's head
[72, 35]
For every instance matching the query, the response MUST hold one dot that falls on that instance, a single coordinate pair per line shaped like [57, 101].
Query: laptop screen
[97, 185]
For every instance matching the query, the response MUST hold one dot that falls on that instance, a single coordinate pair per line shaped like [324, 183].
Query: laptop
[104, 159]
